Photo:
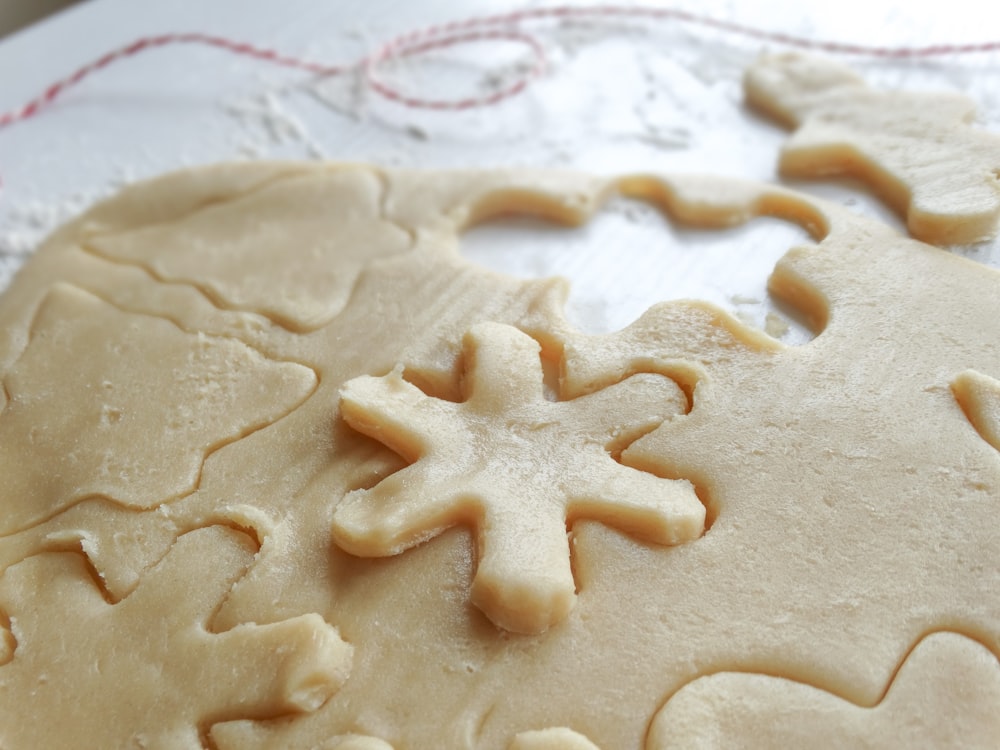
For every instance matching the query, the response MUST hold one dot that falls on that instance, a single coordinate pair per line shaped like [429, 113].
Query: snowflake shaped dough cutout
[515, 466]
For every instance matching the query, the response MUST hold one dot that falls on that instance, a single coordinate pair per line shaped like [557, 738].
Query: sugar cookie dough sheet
[305, 477]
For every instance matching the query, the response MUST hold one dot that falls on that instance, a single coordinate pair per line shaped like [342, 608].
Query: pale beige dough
[919, 151]
[945, 695]
[979, 397]
[139, 388]
[145, 672]
[555, 738]
[515, 465]
[261, 232]
[848, 486]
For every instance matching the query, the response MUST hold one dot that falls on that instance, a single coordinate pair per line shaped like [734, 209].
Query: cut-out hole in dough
[629, 257]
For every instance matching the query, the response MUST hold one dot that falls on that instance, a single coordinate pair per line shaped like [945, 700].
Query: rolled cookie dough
[708, 499]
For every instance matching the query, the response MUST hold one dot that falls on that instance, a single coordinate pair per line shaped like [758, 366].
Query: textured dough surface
[945, 676]
[847, 487]
[145, 671]
[212, 391]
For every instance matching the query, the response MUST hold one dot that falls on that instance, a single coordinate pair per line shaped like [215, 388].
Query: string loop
[497, 27]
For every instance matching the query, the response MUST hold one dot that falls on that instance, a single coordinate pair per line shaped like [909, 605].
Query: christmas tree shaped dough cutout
[141, 403]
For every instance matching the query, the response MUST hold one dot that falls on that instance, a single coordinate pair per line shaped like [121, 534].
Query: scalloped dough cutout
[630, 256]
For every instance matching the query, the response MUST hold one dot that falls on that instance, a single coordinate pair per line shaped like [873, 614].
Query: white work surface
[619, 95]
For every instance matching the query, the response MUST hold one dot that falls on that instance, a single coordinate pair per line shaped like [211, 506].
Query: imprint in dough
[115, 539]
[917, 150]
[945, 695]
[331, 223]
[147, 671]
[140, 403]
[516, 466]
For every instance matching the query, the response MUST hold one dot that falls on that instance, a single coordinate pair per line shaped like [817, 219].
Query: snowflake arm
[640, 504]
[485, 358]
[979, 397]
[400, 512]
[523, 582]
[516, 467]
[623, 412]
[387, 408]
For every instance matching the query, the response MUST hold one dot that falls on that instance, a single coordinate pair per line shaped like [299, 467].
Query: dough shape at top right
[917, 150]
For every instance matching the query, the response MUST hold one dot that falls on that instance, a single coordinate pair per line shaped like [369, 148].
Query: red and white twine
[504, 26]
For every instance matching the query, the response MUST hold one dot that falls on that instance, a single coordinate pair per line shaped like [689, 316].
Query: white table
[619, 96]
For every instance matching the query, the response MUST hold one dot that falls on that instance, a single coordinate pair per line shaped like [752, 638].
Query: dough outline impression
[516, 466]
[175, 666]
[142, 354]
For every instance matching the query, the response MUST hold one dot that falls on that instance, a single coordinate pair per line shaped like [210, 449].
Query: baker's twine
[498, 27]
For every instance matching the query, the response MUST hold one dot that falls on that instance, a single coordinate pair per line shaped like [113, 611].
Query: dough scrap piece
[917, 150]
[516, 466]
[944, 695]
[146, 671]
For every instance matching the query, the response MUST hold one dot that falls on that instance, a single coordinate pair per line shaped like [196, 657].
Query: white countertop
[619, 95]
